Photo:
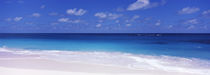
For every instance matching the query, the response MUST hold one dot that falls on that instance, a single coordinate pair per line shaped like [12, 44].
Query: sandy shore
[25, 62]
[32, 66]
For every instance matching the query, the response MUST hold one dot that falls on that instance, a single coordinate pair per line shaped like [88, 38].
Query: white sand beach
[26, 66]
[27, 62]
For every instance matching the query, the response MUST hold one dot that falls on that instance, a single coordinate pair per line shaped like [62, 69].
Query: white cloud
[136, 16]
[36, 15]
[117, 21]
[132, 19]
[100, 21]
[75, 11]
[53, 14]
[155, 4]
[100, 15]
[108, 15]
[128, 25]
[158, 23]
[206, 13]
[191, 27]
[18, 19]
[191, 21]
[74, 21]
[98, 25]
[54, 23]
[188, 10]
[42, 6]
[139, 4]
[170, 26]
[144, 4]
[63, 19]
[114, 16]
[127, 21]
[205, 27]
[67, 20]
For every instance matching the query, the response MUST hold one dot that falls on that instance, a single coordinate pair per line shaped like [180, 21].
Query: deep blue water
[181, 45]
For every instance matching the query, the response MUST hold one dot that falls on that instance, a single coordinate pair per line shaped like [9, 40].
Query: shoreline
[96, 63]
[46, 64]
[39, 66]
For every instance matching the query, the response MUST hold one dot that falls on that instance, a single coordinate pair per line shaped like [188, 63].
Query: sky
[104, 16]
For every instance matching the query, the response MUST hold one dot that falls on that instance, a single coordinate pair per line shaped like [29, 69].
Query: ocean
[173, 52]
[181, 45]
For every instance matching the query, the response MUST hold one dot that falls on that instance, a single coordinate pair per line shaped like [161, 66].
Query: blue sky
[105, 16]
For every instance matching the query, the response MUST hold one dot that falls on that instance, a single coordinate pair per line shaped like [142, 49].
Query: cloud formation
[206, 13]
[144, 4]
[98, 25]
[114, 16]
[157, 23]
[191, 27]
[139, 4]
[107, 15]
[67, 20]
[53, 14]
[75, 11]
[128, 24]
[42, 6]
[188, 10]
[74, 21]
[17, 19]
[63, 19]
[36, 15]
[191, 21]
[170, 26]
[135, 17]
[100, 15]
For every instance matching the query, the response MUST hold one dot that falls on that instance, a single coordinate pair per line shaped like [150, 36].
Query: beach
[23, 62]
[26, 66]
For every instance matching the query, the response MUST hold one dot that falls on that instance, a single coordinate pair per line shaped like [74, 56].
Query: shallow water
[179, 45]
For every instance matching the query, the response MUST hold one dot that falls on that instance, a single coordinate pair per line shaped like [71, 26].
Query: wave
[132, 61]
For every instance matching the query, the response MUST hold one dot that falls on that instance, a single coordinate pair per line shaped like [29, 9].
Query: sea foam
[132, 61]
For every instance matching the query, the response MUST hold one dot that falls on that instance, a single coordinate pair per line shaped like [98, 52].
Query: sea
[183, 52]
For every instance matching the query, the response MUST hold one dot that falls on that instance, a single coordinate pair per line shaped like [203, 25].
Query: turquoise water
[180, 45]
[185, 53]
